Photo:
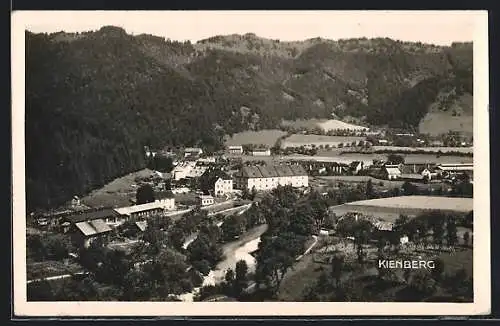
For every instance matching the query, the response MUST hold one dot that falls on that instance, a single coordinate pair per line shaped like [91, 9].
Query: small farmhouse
[143, 211]
[192, 151]
[235, 149]
[391, 172]
[261, 152]
[205, 200]
[355, 167]
[89, 225]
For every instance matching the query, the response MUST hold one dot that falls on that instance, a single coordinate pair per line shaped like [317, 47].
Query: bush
[202, 266]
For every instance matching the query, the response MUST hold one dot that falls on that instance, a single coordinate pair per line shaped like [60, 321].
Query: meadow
[297, 140]
[433, 124]
[117, 193]
[324, 124]
[390, 208]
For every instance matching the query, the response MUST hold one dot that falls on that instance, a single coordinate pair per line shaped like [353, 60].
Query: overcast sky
[438, 27]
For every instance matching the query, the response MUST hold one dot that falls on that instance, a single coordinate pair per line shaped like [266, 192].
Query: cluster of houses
[423, 172]
[259, 151]
[88, 224]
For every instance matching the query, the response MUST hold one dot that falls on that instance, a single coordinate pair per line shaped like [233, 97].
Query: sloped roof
[93, 227]
[192, 149]
[298, 170]
[100, 226]
[272, 171]
[140, 208]
[354, 164]
[412, 176]
[267, 171]
[251, 172]
[284, 170]
[392, 170]
[92, 215]
[141, 225]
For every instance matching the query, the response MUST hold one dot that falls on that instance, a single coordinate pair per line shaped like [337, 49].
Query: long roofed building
[268, 177]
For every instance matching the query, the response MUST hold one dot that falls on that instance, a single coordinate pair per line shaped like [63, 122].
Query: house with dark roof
[418, 171]
[89, 225]
[158, 207]
[355, 167]
[268, 177]
[217, 182]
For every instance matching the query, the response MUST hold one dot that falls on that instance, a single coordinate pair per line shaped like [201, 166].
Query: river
[232, 252]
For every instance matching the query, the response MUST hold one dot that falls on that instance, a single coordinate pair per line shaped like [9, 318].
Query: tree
[438, 269]
[145, 194]
[276, 255]
[362, 233]
[302, 221]
[469, 220]
[167, 272]
[435, 220]
[466, 238]
[113, 268]
[40, 291]
[154, 237]
[395, 159]
[409, 189]
[337, 263]
[229, 277]
[137, 286]
[232, 227]
[369, 189]
[422, 283]
[451, 232]
[241, 279]
[204, 249]
[253, 193]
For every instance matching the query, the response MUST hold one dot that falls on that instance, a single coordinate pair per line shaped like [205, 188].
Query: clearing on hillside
[262, 137]
[297, 140]
[326, 125]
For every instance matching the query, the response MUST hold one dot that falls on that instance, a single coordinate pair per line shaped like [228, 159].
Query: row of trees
[48, 246]
[337, 282]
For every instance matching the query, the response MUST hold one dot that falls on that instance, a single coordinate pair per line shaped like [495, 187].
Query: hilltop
[94, 99]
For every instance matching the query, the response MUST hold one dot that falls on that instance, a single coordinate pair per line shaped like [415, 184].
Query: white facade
[235, 149]
[206, 200]
[223, 186]
[261, 152]
[159, 206]
[267, 178]
[190, 151]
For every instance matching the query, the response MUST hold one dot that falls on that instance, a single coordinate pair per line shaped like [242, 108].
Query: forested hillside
[94, 99]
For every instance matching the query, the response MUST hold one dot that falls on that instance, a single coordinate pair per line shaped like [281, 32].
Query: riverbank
[233, 252]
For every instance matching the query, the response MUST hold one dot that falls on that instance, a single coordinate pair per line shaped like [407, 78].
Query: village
[225, 185]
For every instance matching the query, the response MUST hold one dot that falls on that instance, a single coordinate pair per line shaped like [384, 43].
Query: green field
[433, 124]
[117, 193]
[297, 140]
[324, 124]
[35, 270]
[390, 208]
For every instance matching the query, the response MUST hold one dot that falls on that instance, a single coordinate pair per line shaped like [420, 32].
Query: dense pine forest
[95, 99]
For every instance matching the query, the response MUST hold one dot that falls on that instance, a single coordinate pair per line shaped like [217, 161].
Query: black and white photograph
[173, 162]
